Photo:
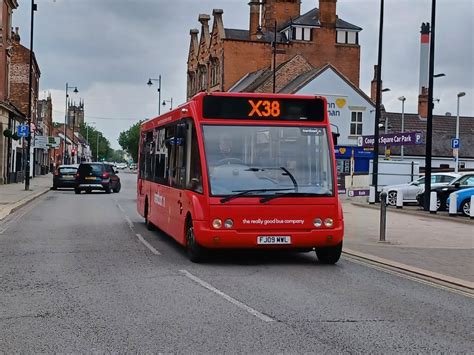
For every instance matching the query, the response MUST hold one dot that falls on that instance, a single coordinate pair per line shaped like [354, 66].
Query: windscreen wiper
[293, 194]
[241, 193]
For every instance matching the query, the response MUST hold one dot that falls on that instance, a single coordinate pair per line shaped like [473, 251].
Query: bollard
[471, 210]
[400, 199]
[433, 202]
[371, 195]
[453, 205]
[383, 215]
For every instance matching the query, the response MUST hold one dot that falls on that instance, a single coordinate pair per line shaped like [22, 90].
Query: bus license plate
[273, 239]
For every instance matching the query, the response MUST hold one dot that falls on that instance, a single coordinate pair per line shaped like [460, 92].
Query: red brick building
[19, 95]
[11, 161]
[220, 57]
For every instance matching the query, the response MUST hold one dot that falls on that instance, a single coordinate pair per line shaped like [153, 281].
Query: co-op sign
[407, 138]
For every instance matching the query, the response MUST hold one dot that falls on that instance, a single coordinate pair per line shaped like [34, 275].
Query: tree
[90, 133]
[129, 140]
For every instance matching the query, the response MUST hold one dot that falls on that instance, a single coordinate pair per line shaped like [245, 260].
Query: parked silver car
[412, 189]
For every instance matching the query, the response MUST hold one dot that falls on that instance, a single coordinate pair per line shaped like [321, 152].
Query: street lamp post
[150, 83]
[456, 167]
[30, 87]
[402, 99]
[274, 44]
[87, 137]
[97, 152]
[65, 118]
[170, 101]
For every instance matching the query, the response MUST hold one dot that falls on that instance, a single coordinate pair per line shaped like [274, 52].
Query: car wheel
[438, 204]
[88, 191]
[329, 255]
[54, 188]
[77, 191]
[148, 224]
[117, 188]
[466, 207]
[392, 198]
[107, 189]
[196, 253]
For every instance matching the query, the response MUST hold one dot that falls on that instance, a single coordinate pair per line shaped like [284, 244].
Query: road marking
[426, 280]
[148, 245]
[232, 300]
[132, 228]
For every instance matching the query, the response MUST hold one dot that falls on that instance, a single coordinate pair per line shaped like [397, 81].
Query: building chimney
[423, 103]
[424, 56]
[373, 86]
[327, 13]
[254, 19]
[204, 20]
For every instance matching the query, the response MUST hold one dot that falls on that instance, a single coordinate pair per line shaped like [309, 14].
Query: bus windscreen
[258, 108]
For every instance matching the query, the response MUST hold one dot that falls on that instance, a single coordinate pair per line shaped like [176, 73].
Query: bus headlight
[318, 222]
[228, 223]
[217, 223]
[328, 222]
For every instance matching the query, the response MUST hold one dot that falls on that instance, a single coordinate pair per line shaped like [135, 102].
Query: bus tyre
[329, 255]
[148, 224]
[196, 253]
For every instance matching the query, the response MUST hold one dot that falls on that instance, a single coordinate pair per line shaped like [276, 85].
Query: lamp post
[274, 43]
[170, 102]
[402, 99]
[97, 152]
[65, 119]
[456, 167]
[375, 166]
[30, 87]
[150, 83]
[429, 119]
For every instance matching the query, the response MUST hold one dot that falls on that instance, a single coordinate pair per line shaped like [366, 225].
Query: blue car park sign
[23, 130]
[455, 143]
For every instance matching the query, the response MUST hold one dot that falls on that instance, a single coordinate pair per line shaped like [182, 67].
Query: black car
[65, 176]
[442, 192]
[96, 176]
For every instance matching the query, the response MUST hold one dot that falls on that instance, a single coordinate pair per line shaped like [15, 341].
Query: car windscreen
[67, 170]
[90, 169]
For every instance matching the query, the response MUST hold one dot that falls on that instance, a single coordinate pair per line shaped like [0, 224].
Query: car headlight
[217, 223]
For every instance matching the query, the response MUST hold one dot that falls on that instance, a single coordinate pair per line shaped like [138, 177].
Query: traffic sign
[455, 143]
[23, 130]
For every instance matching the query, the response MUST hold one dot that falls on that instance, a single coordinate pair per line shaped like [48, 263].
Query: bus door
[175, 197]
[144, 173]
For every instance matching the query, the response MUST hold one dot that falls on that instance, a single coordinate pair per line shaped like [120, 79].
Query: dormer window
[347, 37]
[299, 33]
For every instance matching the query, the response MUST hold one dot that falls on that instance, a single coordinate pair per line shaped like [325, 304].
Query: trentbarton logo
[273, 221]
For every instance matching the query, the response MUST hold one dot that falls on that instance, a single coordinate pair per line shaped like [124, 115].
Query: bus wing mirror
[334, 137]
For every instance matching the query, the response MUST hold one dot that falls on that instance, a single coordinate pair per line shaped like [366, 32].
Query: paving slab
[437, 245]
[14, 196]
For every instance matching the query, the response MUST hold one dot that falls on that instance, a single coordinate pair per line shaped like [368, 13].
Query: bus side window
[194, 178]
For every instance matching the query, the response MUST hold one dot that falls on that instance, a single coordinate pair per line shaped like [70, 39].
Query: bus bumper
[226, 239]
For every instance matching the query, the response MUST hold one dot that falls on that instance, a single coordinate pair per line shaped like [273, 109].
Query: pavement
[431, 245]
[14, 196]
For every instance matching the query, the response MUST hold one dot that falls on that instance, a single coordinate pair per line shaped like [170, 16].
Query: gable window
[215, 72]
[356, 123]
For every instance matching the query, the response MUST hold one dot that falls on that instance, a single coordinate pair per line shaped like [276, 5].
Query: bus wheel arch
[196, 252]
[146, 212]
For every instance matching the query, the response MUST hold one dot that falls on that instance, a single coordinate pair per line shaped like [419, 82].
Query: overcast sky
[109, 49]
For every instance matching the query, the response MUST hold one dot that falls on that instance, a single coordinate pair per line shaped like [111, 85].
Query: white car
[122, 166]
[412, 189]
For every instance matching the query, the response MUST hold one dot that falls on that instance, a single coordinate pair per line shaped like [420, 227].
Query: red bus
[239, 170]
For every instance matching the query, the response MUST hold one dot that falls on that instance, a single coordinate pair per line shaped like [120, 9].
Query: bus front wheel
[196, 253]
[148, 224]
[329, 255]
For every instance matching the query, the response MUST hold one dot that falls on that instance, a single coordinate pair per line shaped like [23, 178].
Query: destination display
[392, 139]
[259, 108]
